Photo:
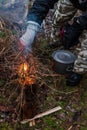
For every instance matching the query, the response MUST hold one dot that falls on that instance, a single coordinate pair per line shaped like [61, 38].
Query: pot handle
[69, 68]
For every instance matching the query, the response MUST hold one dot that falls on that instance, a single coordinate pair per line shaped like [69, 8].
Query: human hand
[23, 48]
[26, 40]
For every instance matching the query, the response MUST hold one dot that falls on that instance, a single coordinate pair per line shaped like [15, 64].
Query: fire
[25, 67]
[27, 74]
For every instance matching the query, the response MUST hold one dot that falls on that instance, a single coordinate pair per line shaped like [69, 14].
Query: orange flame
[27, 74]
[25, 67]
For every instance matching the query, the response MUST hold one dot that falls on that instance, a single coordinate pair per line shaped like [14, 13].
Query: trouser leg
[80, 65]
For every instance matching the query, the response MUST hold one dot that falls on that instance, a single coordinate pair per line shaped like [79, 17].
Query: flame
[27, 74]
[25, 67]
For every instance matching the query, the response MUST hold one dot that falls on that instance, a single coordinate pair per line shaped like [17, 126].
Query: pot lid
[63, 56]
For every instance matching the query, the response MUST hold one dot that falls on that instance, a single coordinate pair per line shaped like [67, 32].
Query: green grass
[51, 123]
[84, 128]
[2, 34]
[5, 126]
[2, 82]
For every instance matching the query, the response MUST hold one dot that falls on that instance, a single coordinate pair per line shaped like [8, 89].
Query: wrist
[33, 25]
[31, 32]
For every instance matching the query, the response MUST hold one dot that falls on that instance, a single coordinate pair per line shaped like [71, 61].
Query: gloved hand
[69, 35]
[25, 42]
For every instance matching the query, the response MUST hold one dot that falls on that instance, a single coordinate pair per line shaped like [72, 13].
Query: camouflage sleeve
[80, 65]
[64, 11]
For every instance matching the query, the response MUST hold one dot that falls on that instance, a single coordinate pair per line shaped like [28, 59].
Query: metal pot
[63, 61]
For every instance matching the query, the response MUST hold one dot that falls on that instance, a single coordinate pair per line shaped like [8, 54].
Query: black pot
[63, 61]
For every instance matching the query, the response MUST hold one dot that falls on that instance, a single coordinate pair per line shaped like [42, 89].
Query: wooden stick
[32, 123]
[70, 128]
[42, 114]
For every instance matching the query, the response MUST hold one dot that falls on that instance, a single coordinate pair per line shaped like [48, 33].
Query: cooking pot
[63, 61]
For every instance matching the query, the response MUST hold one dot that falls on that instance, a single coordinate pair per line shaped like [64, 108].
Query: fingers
[21, 45]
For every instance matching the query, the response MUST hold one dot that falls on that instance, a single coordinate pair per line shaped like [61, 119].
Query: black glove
[71, 35]
[73, 79]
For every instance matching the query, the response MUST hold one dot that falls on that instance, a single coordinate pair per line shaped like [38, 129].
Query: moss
[62, 104]
[1, 99]
[84, 128]
[2, 82]
[51, 123]
[2, 34]
[6, 126]
[85, 116]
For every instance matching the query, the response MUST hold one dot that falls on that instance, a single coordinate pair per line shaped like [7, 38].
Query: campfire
[27, 72]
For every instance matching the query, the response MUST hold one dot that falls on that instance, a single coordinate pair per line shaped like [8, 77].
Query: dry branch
[42, 114]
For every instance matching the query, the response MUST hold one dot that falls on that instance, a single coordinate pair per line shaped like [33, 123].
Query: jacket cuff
[33, 25]
[34, 18]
